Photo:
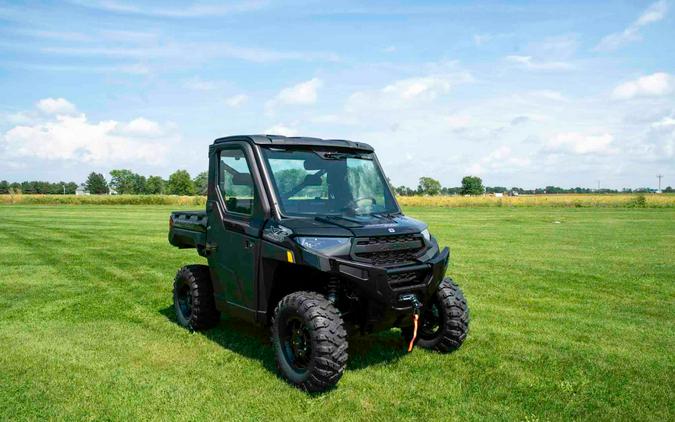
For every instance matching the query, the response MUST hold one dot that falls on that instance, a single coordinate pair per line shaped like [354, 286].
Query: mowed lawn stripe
[572, 316]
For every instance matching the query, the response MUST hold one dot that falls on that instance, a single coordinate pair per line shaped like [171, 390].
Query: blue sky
[520, 93]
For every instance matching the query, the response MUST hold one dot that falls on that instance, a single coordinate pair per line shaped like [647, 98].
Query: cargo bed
[188, 229]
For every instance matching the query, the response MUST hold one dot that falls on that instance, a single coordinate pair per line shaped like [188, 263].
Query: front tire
[193, 298]
[444, 323]
[310, 341]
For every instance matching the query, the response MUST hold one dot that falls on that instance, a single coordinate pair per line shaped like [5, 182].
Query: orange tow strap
[416, 318]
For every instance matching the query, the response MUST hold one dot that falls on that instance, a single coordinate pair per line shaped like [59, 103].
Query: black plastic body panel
[245, 265]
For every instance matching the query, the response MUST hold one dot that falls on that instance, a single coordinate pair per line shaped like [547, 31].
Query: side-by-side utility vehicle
[304, 235]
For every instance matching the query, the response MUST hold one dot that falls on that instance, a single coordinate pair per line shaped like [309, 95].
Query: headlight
[426, 235]
[326, 245]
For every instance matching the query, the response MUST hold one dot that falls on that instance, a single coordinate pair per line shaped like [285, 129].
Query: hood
[354, 226]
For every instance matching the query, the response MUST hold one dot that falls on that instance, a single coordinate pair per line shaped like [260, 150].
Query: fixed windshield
[312, 182]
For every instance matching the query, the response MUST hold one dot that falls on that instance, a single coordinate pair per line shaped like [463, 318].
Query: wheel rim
[184, 299]
[431, 323]
[296, 343]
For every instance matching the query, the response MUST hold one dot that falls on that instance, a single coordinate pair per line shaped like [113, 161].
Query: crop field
[573, 317]
[455, 201]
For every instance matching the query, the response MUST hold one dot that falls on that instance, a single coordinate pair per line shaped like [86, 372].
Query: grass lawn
[573, 317]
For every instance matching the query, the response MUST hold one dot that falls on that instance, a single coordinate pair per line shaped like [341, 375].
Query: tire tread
[204, 313]
[329, 339]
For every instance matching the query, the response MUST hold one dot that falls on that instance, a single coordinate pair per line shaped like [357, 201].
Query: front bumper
[388, 286]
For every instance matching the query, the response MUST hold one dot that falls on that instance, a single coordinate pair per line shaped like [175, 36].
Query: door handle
[248, 244]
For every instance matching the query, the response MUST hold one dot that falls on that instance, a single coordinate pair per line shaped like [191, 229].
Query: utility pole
[598, 186]
[64, 188]
[659, 176]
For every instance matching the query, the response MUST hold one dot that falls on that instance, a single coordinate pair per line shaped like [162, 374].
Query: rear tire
[444, 324]
[193, 298]
[309, 340]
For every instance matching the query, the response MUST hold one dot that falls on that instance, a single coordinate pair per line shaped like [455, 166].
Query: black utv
[304, 235]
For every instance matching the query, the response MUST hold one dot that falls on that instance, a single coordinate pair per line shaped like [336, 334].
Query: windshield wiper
[386, 214]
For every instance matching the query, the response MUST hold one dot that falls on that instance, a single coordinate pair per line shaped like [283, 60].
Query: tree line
[472, 185]
[124, 181]
[121, 181]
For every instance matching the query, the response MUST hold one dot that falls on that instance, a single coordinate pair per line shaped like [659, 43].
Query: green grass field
[573, 317]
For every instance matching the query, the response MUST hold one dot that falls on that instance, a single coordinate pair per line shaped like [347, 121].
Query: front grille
[407, 281]
[388, 250]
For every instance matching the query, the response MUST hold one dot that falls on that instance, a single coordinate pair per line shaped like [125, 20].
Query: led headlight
[326, 245]
[426, 235]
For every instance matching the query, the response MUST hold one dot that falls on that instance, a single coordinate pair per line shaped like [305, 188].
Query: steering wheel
[353, 206]
[356, 201]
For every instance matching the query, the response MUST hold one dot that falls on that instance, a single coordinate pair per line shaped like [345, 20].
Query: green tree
[429, 186]
[28, 187]
[70, 188]
[154, 185]
[287, 179]
[96, 184]
[495, 189]
[122, 180]
[472, 185]
[180, 183]
[4, 187]
[140, 183]
[201, 183]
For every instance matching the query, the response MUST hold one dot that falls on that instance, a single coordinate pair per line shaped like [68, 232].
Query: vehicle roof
[296, 140]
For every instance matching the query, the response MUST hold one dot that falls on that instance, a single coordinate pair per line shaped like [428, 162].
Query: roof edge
[296, 140]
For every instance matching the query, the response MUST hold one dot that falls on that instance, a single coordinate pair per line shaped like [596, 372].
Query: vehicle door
[234, 229]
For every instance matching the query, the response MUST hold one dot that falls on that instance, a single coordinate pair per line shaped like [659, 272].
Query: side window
[235, 181]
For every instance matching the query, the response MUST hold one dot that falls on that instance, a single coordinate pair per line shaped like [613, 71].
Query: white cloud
[457, 121]
[281, 130]
[654, 13]
[658, 143]
[198, 52]
[666, 122]
[19, 118]
[410, 88]
[502, 158]
[405, 93]
[653, 85]
[55, 106]
[132, 69]
[529, 63]
[561, 47]
[304, 93]
[236, 100]
[74, 138]
[547, 94]
[194, 10]
[141, 127]
[578, 143]
[390, 49]
[53, 35]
